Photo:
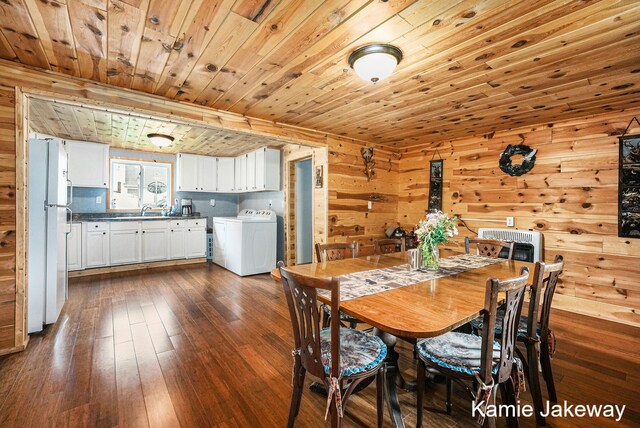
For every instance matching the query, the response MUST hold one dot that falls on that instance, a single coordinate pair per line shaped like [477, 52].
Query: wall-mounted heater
[529, 244]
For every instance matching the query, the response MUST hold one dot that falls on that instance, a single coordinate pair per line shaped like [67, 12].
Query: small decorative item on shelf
[436, 229]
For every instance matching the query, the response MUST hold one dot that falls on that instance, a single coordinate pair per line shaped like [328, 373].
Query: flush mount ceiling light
[160, 140]
[376, 62]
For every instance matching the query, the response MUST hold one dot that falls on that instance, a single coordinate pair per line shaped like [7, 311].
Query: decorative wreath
[529, 159]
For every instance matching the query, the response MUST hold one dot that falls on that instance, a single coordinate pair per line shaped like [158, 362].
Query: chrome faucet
[144, 209]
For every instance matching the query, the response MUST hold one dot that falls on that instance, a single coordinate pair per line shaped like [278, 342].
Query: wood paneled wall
[349, 191]
[570, 195]
[7, 217]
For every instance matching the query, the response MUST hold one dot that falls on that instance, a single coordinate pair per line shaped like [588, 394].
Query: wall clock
[528, 159]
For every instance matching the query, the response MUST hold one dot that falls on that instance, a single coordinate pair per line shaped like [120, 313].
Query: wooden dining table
[411, 312]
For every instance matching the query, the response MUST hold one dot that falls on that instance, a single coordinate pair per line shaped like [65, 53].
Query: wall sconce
[369, 162]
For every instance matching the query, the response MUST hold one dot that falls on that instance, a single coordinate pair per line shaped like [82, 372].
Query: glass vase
[431, 257]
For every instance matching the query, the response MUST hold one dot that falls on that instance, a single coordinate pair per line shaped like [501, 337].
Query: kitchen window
[135, 184]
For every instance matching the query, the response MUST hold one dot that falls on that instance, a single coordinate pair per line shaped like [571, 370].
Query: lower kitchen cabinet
[124, 243]
[196, 238]
[177, 239]
[155, 241]
[74, 247]
[95, 244]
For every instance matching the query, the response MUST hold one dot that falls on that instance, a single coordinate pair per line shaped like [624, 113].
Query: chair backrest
[387, 246]
[546, 276]
[514, 289]
[302, 300]
[331, 252]
[489, 247]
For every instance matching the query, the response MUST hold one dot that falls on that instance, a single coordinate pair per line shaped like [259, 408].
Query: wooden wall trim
[22, 225]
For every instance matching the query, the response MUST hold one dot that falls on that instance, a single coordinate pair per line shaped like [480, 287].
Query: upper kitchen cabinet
[88, 164]
[262, 170]
[196, 173]
[226, 175]
[240, 184]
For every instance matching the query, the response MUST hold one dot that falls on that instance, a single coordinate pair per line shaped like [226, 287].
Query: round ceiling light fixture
[376, 62]
[160, 140]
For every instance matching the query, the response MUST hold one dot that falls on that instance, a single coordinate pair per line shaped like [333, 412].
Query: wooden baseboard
[137, 266]
[592, 308]
[15, 348]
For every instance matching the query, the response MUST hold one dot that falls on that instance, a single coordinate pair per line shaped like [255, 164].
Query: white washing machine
[246, 244]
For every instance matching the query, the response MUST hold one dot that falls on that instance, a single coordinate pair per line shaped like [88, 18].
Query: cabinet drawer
[155, 224]
[97, 225]
[177, 224]
[125, 225]
[195, 224]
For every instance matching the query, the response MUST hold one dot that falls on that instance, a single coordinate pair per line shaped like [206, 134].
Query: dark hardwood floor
[198, 346]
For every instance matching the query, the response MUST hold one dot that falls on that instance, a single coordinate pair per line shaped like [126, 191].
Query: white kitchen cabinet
[196, 238]
[196, 173]
[187, 172]
[177, 239]
[124, 242]
[74, 247]
[226, 175]
[240, 184]
[251, 171]
[219, 236]
[267, 169]
[207, 173]
[155, 241]
[95, 244]
[88, 164]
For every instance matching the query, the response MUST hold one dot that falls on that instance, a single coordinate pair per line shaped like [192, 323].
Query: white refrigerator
[49, 225]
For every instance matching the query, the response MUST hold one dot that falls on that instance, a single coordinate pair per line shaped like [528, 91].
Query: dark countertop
[117, 216]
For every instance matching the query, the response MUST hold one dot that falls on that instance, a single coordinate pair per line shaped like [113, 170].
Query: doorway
[304, 211]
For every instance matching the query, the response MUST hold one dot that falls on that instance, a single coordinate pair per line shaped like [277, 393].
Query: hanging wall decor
[629, 185]
[369, 162]
[515, 170]
[435, 183]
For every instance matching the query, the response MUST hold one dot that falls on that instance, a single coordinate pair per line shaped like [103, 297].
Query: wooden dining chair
[490, 247]
[335, 355]
[469, 358]
[387, 246]
[535, 334]
[333, 252]
[337, 251]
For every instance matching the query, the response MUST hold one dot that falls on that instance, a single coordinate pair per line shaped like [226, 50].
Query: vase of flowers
[436, 229]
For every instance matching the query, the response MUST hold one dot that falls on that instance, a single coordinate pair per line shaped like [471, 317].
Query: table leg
[391, 377]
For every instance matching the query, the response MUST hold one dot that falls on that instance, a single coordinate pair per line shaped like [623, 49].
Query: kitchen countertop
[84, 217]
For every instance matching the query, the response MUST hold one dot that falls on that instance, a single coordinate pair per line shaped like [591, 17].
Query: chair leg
[380, 396]
[420, 380]
[296, 394]
[547, 373]
[448, 403]
[508, 392]
[533, 377]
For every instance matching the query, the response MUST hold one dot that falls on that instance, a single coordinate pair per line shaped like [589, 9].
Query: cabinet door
[251, 171]
[74, 248]
[207, 174]
[226, 174]
[125, 246]
[96, 248]
[240, 184]
[260, 169]
[176, 243]
[187, 171]
[88, 164]
[196, 242]
[155, 244]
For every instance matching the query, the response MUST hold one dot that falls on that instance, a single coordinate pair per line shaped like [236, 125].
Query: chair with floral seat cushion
[469, 358]
[490, 248]
[388, 246]
[333, 252]
[335, 355]
[535, 334]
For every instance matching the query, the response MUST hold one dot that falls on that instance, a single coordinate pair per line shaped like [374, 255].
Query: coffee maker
[187, 206]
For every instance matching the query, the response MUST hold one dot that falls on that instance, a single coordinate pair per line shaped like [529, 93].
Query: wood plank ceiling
[126, 131]
[470, 67]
